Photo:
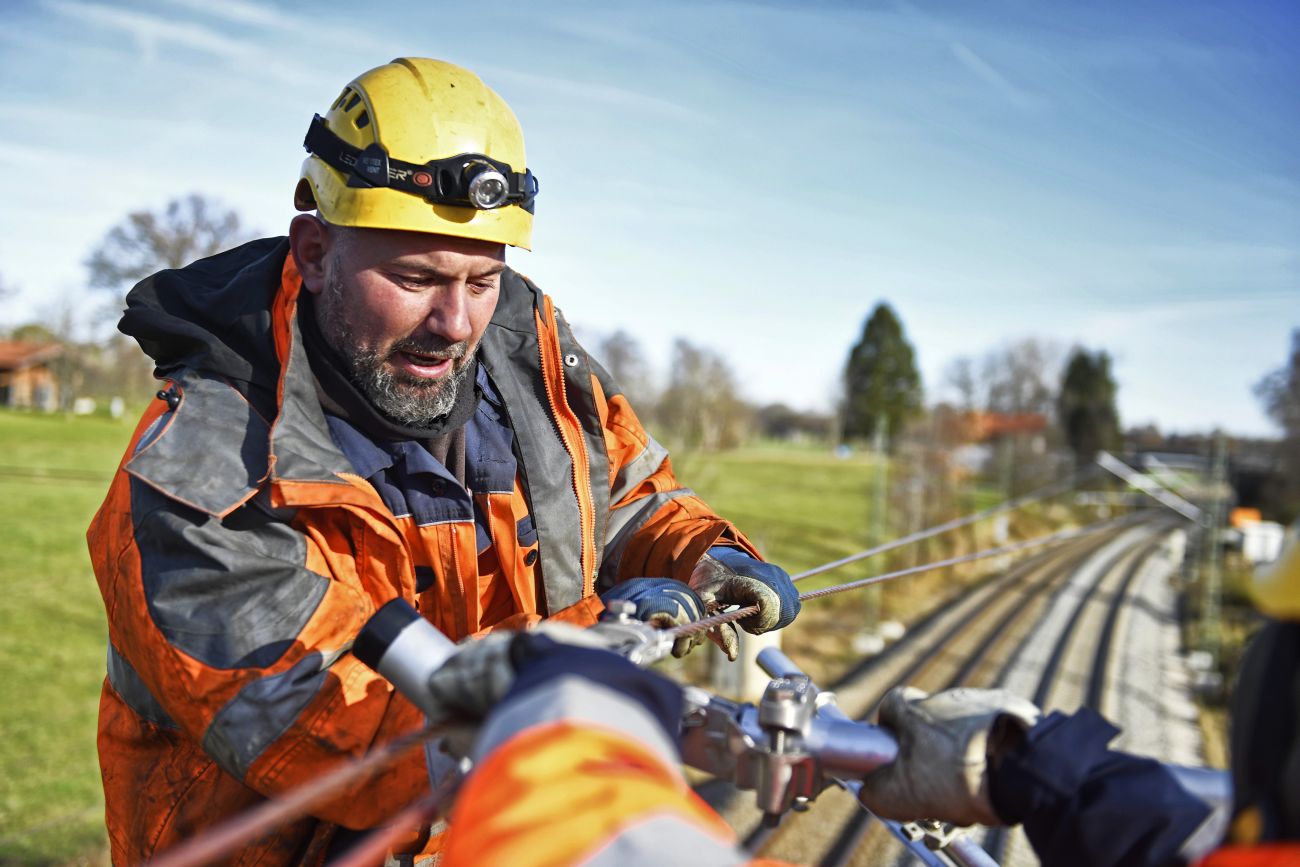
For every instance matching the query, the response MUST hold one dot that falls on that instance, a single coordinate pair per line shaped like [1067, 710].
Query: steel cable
[373, 848]
[715, 620]
[246, 827]
[1042, 493]
[222, 840]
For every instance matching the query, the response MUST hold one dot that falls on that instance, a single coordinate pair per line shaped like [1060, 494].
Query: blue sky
[753, 176]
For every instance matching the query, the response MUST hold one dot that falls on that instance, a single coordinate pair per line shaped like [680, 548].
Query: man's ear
[309, 242]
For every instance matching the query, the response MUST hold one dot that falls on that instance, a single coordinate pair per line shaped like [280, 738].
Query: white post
[743, 679]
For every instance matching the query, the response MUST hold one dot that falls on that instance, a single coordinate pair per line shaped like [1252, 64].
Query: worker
[375, 407]
[571, 724]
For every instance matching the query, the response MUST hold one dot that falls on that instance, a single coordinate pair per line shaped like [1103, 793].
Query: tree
[701, 406]
[781, 422]
[1085, 406]
[34, 332]
[622, 357]
[185, 229]
[1279, 392]
[1018, 382]
[1019, 377]
[880, 378]
[960, 377]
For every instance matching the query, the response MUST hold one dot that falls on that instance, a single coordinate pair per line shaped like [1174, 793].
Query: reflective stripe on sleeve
[625, 522]
[263, 711]
[131, 688]
[637, 470]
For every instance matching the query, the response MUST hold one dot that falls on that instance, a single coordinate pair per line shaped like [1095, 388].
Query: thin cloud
[150, 31]
[986, 72]
[270, 17]
[242, 12]
[589, 91]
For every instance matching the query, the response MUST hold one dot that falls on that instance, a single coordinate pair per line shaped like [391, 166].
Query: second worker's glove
[729, 576]
[479, 674]
[662, 603]
[945, 742]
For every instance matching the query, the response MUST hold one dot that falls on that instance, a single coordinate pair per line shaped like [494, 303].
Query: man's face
[406, 311]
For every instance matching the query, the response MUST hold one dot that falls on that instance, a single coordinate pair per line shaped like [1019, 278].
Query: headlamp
[487, 187]
[464, 181]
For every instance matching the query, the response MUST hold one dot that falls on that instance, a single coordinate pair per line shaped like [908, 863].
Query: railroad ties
[1059, 626]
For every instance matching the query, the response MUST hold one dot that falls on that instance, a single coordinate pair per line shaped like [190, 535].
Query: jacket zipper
[571, 435]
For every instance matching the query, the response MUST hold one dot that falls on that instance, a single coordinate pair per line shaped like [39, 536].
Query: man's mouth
[423, 366]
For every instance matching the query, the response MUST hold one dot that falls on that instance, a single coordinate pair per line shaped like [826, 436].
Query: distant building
[985, 426]
[27, 379]
[986, 435]
[1260, 541]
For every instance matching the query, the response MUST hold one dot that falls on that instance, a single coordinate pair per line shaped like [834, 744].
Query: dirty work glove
[482, 670]
[478, 675]
[728, 576]
[945, 742]
[662, 603]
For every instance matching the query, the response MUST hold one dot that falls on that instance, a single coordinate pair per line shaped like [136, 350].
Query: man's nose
[449, 316]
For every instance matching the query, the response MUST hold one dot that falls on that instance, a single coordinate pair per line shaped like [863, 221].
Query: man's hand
[478, 675]
[662, 603]
[728, 576]
[945, 744]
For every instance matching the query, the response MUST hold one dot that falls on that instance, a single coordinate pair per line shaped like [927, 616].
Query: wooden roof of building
[18, 354]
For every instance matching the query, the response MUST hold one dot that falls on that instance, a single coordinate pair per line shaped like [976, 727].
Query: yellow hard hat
[1277, 587]
[420, 145]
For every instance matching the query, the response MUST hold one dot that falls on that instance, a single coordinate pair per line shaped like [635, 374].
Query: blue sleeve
[1083, 804]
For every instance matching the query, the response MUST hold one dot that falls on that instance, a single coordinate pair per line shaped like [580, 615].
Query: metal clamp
[632, 639]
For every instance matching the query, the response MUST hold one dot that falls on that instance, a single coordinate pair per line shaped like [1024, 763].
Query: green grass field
[802, 507]
[53, 473]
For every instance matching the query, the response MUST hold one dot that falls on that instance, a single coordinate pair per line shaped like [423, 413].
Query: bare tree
[701, 406]
[185, 229]
[960, 377]
[621, 355]
[1021, 377]
[1019, 381]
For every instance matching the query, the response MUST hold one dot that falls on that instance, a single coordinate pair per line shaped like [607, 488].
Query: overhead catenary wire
[715, 620]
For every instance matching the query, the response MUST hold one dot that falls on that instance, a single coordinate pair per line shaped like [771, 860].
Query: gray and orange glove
[945, 744]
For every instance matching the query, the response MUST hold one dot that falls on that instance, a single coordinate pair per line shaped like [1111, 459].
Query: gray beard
[408, 401]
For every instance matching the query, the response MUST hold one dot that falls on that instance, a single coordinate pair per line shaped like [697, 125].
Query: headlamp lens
[487, 188]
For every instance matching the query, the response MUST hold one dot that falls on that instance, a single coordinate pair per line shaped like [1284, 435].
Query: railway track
[1069, 662]
[1069, 599]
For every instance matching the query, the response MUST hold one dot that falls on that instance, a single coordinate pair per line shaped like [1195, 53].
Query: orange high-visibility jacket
[577, 766]
[239, 553]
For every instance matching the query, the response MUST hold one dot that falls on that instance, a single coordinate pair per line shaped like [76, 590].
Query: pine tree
[1086, 405]
[880, 378]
